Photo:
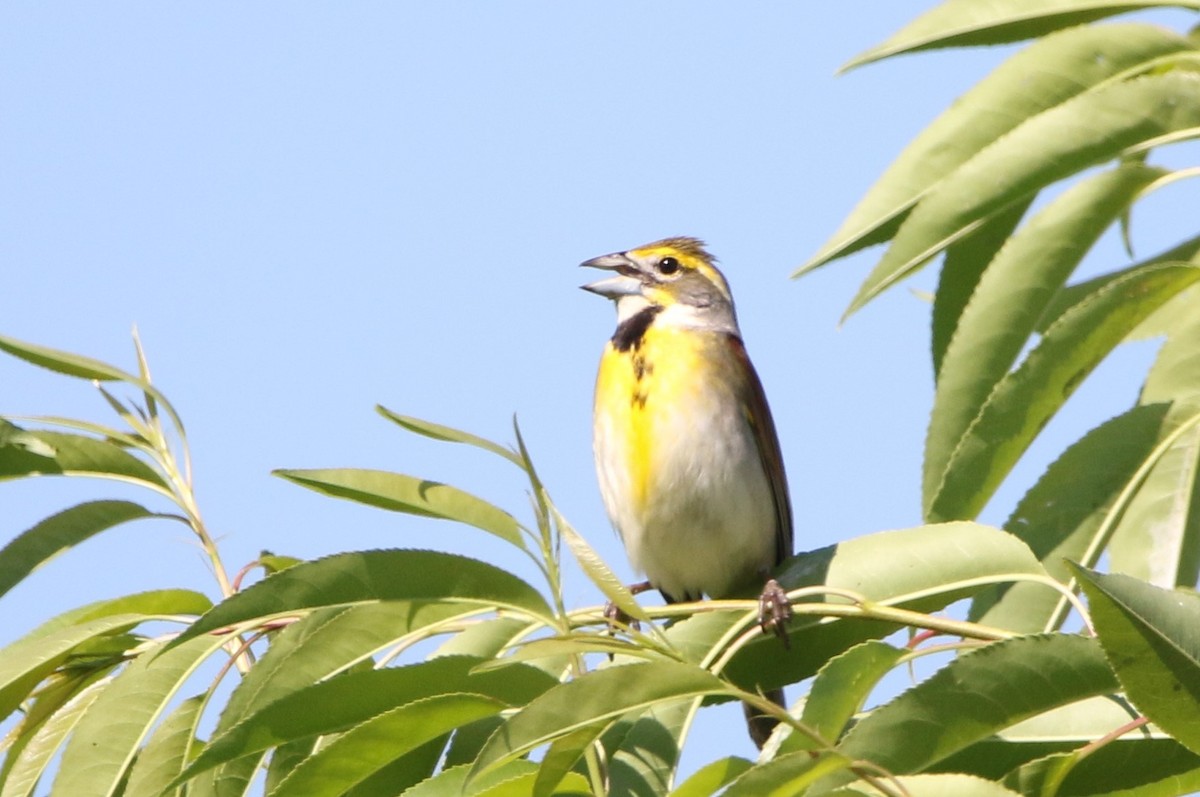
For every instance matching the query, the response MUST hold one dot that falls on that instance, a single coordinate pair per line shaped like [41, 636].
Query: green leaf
[353, 698]
[24, 663]
[399, 493]
[924, 569]
[562, 756]
[966, 23]
[368, 747]
[315, 648]
[599, 572]
[787, 775]
[66, 363]
[644, 747]
[28, 763]
[1108, 122]
[448, 434]
[33, 548]
[1145, 768]
[373, 576]
[976, 695]
[1027, 398]
[946, 785]
[97, 757]
[964, 265]
[592, 698]
[1152, 638]
[1063, 512]
[63, 454]
[840, 690]
[167, 752]
[712, 777]
[1011, 296]
[1046, 74]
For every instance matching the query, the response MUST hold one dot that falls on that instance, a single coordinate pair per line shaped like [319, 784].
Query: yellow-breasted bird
[686, 452]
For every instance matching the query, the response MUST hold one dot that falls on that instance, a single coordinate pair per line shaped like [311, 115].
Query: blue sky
[307, 209]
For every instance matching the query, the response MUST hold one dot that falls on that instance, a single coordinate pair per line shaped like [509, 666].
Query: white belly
[705, 524]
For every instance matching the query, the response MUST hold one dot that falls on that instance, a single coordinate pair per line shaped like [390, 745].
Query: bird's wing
[754, 404]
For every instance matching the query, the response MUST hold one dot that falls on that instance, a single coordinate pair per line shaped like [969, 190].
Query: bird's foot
[614, 616]
[774, 610]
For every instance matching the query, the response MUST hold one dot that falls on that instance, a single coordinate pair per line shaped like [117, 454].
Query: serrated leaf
[410, 495]
[31, 549]
[75, 455]
[1011, 295]
[562, 755]
[370, 577]
[712, 777]
[1027, 398]
[1046, 74]
[1100, 125]
[787, 775]
[840, 690]
[1148, 768]
[967, 23]
[1152, 638]
[24, 663]
[964, 265]
[592, 698]
[943, 785]
[923, 569]
[66, 363]
[644, 747]
[977, 695]
[28, 764]
[1062, 513]
[369, 746]
[167, 752]
[341, 703]
[439, 432]
[96, 759]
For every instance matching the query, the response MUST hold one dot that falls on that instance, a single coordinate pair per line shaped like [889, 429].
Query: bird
[687, 457]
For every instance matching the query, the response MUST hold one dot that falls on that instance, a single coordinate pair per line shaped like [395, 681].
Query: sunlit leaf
[1027, 398]
[964, 23]
[439, 432]
[408, 494]
[1010, 297]
[712, 777]
[786, 775]
[97, 757]
[1100, 125]
[976, 695]
[370, 577]
[168, 750]
[1046, 74]
[64, 454]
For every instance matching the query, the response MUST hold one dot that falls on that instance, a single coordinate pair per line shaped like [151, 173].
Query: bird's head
[675, 274]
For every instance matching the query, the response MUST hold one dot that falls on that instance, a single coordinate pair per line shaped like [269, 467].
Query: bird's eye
[668, 265]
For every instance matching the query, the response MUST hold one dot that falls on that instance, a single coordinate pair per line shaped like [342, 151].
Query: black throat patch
[630, 332]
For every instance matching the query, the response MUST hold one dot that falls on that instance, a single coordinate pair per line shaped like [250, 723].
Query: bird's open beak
[624, 283]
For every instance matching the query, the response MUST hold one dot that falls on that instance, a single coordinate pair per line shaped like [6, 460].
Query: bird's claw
[615, 616]
[774, 610]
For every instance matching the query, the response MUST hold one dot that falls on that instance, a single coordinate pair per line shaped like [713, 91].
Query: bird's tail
[759, 724]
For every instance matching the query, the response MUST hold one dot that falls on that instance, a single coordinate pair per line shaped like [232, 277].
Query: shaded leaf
[33, 548]
[948, 785]
[1152, 638]
[786, 775]
[840, 689]
[73, 455]
[399, 493]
